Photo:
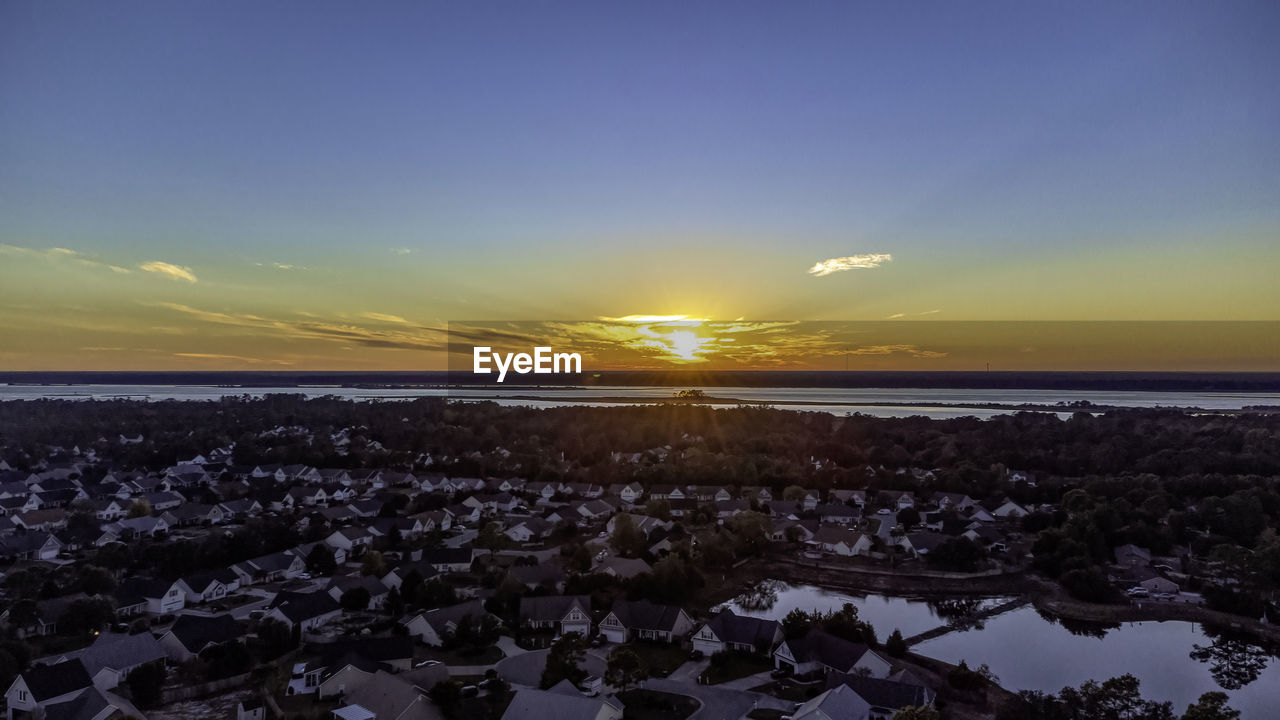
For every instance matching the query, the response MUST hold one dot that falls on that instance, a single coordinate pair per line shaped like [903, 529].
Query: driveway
[526, 669]
[690, 671]
[719, 703]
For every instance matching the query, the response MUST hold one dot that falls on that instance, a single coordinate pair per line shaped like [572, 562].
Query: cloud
[849, 262]
[59, 253]
[400, 251]
[895, 316]
[413, 337]
[930, 312]
[912, 350]
[383, 317]
[169, 270]
[239, 358]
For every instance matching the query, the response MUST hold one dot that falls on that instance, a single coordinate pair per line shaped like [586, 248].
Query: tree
[320, 561]
[625, 668]
[1211, 706]
[627, 540]
[373, 564]
[917, 713]
[276, 637]
[145, 683]
[355, 599]
[447, 694]
[908, 517]
[491, 537]
[658, 508]
[896, 645]
[564, 661]
[96, 581]
[794, 493]
[140, 508]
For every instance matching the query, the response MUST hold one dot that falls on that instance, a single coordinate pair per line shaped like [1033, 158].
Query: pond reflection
[1234, 661]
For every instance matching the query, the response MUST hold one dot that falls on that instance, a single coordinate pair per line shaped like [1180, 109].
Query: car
[305, 576]
[884, 511]
[1138, 592]
[470, 691]
[604, 534]
[427, 663]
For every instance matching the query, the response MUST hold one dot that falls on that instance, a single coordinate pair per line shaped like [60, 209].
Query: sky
[326, 185]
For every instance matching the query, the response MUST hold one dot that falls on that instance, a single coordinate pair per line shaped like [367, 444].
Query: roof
[379, 649]
[625, 568]
[389, 696]
[196, 632]
[888, 694]
[118, 651]
[88, 705]
[137, 590]
[733, 628]
[304, 606]
[821, 646]
[45, 683]
[539, 704]
[839, 703]
[552, 608]
[440, 617]
[644, 615]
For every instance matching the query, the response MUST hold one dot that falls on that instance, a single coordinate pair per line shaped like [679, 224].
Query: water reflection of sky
[1029, 652]
[911, 616]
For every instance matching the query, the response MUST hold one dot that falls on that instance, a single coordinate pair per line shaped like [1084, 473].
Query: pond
[1175, 661]
[773, 599]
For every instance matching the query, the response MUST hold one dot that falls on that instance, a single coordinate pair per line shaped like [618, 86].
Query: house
[1007, 509]
[42, 520]
[268, 568]
[838, 703]
[112, 656]
[643, 620]
[730, 631]
[340, 585]
[921, 544]
[147, 595]
[1149, 579]
[628, 493]
[353, 540]
[623, 568]
[837, 513]
[39, 687]
[528, 529]
[447, 560]
[240, 509]
[1132, 556]
[251, 709]
[435, 627]
[395, 652]
[31, 546]
[564, 613]
[385, 695]
[163, 500]
[304, 610]
[886, 696]
[396, 576]
[897, 499]
[953, 501]
[193, 514]
[565, 703]
[207, 586]
[138, 527]
[191, 635]
[819, 651]
[842, 541]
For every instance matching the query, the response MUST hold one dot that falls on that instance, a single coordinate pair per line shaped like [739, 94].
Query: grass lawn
[660, 658]
[487, 655]
[734, 665]
[654, 705]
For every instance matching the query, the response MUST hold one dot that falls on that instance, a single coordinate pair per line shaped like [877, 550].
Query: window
[22, 695]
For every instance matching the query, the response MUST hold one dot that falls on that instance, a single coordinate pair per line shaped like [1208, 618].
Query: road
[719, 703]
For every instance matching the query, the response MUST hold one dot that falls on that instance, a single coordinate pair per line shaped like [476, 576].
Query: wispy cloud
[281, 266]
[401, 251]
[383, 317]
[912, 350]
[895, 316]
[411, 337]
[169, 270]
[849, 262]
[930, 312]
[238, 358]
[63, 254]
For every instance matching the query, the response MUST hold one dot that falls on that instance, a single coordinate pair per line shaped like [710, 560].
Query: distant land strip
[1243, 382]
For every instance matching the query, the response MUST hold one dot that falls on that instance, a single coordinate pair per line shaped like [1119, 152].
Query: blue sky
[544, 159]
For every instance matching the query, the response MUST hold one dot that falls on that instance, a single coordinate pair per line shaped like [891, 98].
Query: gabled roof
[440, 618]
[839, 703]
[118, 651]
[304, 606]
[733, 628]
[544, 704]
[888, 694]
[196, 633]
[88, 705]
[820, 646]
[552, 608]
[378, 649]
[49, 682]
[137, 590]
[644, 615]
